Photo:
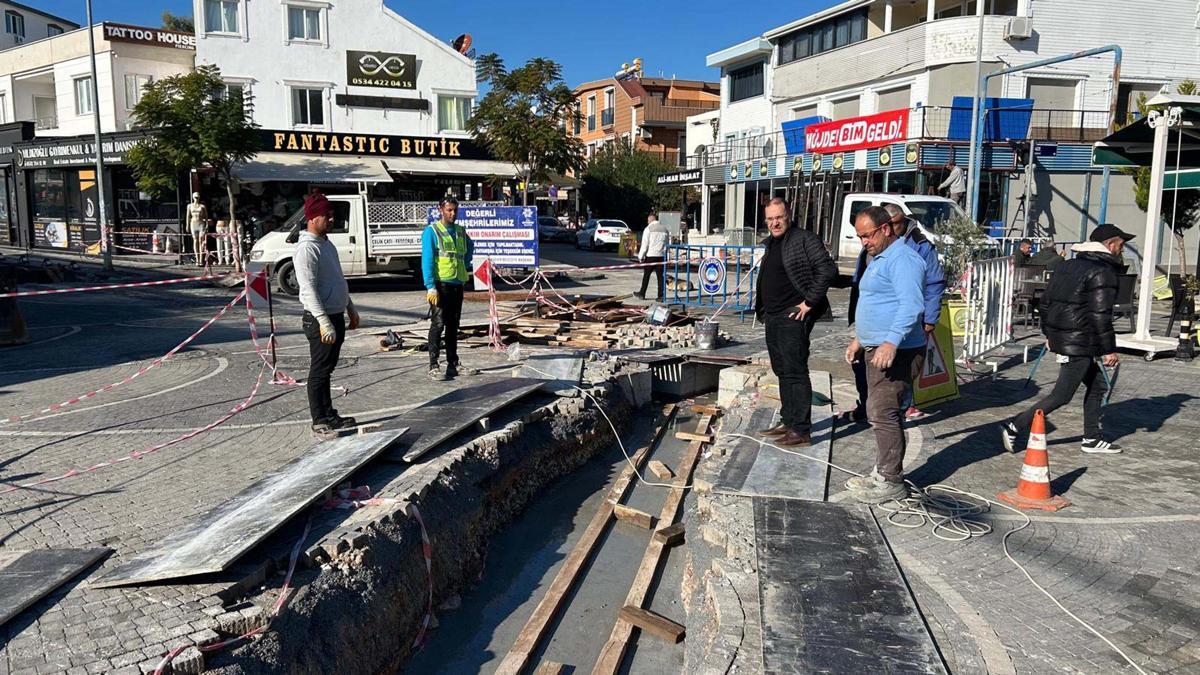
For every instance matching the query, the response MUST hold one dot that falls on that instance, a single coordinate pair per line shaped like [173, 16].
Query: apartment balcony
[591, 122]
[45, 122]
[674, 113]
[606, 117]
[941, 124]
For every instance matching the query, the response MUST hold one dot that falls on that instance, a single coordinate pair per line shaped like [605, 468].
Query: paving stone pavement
[128, 507]
[1122, 557]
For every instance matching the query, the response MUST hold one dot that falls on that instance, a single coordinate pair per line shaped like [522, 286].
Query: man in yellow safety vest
[445, 263]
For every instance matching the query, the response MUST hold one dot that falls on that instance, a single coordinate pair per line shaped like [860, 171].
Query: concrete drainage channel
[362, 590]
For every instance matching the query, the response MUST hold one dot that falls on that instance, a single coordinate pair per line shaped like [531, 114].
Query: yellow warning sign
[937, 382]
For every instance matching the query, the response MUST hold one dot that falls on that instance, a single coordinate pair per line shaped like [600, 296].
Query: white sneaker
[1008, 436]
[1099, 446]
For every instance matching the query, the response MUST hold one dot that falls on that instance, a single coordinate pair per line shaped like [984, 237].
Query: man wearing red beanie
[327, 306]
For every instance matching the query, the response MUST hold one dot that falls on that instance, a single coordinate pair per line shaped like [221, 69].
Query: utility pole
[102, 215]
[973, 170]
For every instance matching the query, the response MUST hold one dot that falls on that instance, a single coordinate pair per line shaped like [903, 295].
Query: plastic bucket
[706, 335]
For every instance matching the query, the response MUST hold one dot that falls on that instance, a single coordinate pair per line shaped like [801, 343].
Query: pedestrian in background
[956, 182]
[792, 285]
[446, 252]
[653, 250]
[891, 304]
[1023, 253]
[1077, 320]
[935, 286]
[328, 312]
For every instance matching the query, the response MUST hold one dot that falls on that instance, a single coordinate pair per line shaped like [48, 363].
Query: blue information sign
[505, 234]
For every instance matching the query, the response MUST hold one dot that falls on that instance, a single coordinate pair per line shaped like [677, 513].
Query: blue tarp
[1004, 118]
[793, 133]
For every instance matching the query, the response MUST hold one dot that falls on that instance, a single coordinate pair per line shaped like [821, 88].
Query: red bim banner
[857, 133]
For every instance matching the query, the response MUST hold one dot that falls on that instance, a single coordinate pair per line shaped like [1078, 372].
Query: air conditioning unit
[1019, 28]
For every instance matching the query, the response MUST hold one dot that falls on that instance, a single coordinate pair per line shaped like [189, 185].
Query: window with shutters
[746, 82]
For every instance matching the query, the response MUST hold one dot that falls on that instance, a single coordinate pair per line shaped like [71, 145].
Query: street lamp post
[102, 214]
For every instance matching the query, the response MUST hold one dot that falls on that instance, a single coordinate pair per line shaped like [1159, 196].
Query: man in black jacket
[1077, 320]
[795, 275]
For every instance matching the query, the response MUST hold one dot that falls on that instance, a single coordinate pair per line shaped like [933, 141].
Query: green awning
[1184, 179]
[1133, 145]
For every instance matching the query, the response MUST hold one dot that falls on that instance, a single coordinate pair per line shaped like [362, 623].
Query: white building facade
[24, 24]
[320, 74]
[866, 56]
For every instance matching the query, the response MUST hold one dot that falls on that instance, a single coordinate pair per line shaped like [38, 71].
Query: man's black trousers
[657, 270]
[444, 318]
[1076, 371]
[322, 359]
[787, 345]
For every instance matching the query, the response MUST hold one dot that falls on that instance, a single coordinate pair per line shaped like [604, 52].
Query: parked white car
[599, 232]
[929, 211]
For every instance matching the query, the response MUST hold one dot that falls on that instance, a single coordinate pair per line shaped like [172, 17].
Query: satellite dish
[462, 43]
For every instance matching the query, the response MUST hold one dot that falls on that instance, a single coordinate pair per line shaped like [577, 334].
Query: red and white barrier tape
[138, 454]
[110, 287]
[141, 371]
[285, 594]
[427, 551]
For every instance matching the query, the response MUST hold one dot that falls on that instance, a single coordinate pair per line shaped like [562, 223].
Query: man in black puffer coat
[795, 276]
[1077, 321]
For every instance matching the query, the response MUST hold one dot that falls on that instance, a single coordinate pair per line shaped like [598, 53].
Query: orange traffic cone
[1033, 488]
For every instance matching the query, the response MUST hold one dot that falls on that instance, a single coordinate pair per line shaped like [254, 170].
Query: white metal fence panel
[990, 289]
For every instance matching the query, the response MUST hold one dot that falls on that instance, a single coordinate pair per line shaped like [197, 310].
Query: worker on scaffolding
[445, 258]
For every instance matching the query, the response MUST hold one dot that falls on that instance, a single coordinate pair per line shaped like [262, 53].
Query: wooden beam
[689, 436]
[662, 471]
[653, 623]
[633, 516]
[671, 535]
[543, 615]
[618, 641]
[706, 410]
[551, 668]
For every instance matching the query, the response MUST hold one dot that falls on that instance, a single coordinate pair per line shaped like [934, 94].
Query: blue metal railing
[713, 276]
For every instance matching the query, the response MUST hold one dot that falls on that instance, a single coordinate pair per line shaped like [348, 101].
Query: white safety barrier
[990, 288]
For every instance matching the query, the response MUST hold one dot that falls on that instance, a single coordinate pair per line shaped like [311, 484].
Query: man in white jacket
[957, 182]
[652, 250]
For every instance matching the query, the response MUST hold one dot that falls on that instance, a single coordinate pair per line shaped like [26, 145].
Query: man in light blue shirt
[888, 320]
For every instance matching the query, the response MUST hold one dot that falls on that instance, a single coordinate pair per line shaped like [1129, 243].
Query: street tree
[180, 22]
[621, 182]
[197, 123]
[523, 119]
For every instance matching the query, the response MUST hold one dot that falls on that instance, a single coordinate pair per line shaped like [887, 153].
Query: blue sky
[589, 39]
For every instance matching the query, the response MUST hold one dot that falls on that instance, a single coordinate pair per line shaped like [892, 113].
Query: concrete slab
[762, 471]
[28, 576]
[560, 372]
[433, 422]
[833, 599]
[216, 540]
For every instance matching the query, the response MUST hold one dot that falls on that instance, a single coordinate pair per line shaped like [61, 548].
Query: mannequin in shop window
[197, 219]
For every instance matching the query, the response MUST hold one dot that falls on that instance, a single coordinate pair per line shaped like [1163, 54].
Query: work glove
[432, 296]
[352, 316]
[328, 332]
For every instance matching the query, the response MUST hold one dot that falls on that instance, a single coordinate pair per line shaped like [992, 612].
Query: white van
[929, 211]
[371, 238]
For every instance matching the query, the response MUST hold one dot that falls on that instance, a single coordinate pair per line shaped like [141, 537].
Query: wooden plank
[633, 516]
[28, 576]
[214, 541]
[693, 437]
[618, 641]
[551, 668]
[543, 615]
[671, 535]
[653, 623]
[660, 470]
[706, 410]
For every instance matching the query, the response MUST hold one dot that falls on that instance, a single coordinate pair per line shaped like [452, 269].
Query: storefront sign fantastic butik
[857, 133]
[322, 143]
